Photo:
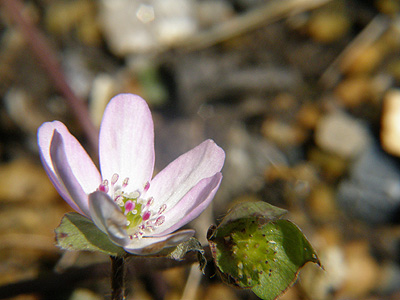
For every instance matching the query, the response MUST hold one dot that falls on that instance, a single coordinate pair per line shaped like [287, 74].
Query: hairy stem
[117, 278]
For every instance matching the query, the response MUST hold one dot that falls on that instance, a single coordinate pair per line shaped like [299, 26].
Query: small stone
[283, 133]
[219, 291]
[308, 116]
[365, 61]
[319, 284]
[354, 91]
[372, 191]
[133, 27]
[390, 130]
[362, 271]
[322, 203]
[328, 26]
[332, 165]
[84, 294]
[342, 135]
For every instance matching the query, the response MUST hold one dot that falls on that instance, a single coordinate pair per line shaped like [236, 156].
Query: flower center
[139, 210]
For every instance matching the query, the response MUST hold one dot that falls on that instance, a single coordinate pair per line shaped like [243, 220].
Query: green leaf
[262, 254]
[77, 232]
[253, 209]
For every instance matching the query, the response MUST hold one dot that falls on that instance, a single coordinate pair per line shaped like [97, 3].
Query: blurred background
[301, 94]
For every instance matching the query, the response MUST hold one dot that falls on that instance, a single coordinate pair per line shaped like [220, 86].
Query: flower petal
[151, 245]
[174, 182]
[191, 205]
[68, 165]
[108, 217]
[127, 141]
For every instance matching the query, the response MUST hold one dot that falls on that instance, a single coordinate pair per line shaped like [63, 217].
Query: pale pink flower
[137, 212]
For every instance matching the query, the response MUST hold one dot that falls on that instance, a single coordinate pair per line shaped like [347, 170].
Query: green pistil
[135, 216]
[135, 219]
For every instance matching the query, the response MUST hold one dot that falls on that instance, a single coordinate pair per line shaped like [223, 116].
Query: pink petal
[127, 141]
[108, 217]
[174, 182]
[68, 165]
[151, 245]
[191, 205]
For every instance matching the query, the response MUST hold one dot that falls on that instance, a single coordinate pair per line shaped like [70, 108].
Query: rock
[323, 284]
[365, 61]
[330, 164]
[342, 135]
[372, 192]
[308, 116]
[390, 130]
[283, 133]
[219, 291]
[327, 26]
[354, 91]
[84, 294]
[362, 271]
[133, 27]
[322, 203]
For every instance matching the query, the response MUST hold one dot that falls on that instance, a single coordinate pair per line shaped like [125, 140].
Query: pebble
[322, 203]
[322, 284]
[308, 115]
[362, 271]
[332, 166]
[354, 91]
[365, 61]
[390, 129]
[283, 133]
[341, 134]
[134, 27]
[372, 191]
[328, 26]
[219, 291]
[84, 294]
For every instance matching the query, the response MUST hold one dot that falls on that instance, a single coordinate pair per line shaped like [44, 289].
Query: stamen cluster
[141, 219]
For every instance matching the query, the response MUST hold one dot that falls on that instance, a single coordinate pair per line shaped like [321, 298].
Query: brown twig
[48, 60]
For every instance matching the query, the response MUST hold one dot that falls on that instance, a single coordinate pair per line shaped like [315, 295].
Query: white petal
[174, 182]
[190, 206]
[68, 165]
[127, 141]
[108, 217]
[151, 245]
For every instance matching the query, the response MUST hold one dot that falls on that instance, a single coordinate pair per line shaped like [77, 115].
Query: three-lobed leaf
[259, 251]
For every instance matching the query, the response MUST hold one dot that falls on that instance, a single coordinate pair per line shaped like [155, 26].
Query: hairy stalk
[117, 278]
